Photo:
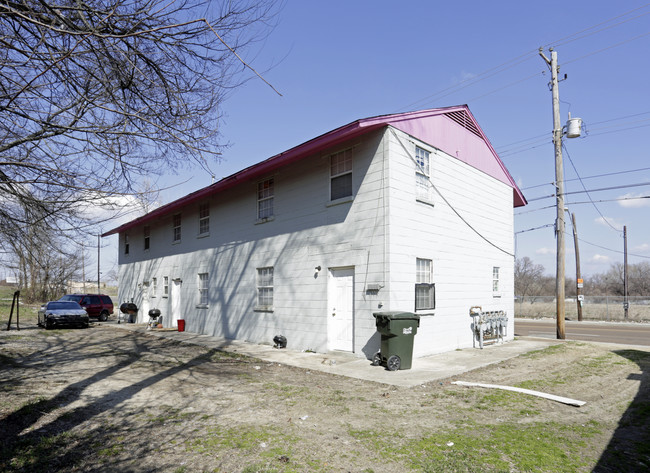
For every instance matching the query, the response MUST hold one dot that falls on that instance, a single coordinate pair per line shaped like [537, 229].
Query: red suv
[99, 306]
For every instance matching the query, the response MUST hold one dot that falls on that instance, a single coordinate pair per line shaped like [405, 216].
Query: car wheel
[393, 363]
[48, 324]
[103, 317]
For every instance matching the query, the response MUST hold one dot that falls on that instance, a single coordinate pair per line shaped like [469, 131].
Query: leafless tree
[42, 262]
[639, 279]
[95, 94]
[528, 278]
[614, 279]
[530, 281]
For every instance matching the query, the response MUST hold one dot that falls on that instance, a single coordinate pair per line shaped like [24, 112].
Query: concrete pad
[423, 370]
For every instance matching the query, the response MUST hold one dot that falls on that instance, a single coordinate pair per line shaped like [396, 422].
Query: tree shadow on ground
[629, 447]
[35, 437]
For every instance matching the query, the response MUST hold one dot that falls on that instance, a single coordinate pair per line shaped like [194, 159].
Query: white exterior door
[340, 317]
[175, 302]
[143, 314]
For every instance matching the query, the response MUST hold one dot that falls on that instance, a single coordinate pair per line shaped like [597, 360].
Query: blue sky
[338, 61]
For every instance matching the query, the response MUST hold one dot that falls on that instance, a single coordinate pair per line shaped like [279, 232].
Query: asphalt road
[608, 332]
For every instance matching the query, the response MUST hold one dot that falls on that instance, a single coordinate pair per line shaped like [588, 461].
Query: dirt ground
[107, 400]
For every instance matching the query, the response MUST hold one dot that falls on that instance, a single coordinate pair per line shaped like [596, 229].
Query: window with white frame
[204, 219]
[341, 174]
[265, 288]
[126, 244]
[425, 290]
[176, 228]
[147, 237]
[265, 195]
[165, 286]
[154, 287]
[495, 280]
[422, 173]
[203, 289]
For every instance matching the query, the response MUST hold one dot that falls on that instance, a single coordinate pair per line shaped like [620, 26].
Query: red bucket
[181, 325]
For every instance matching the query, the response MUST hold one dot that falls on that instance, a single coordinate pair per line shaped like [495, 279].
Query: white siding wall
[462, 260]
[306, 232]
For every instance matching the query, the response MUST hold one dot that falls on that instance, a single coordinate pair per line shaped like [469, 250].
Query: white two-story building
[409, 212]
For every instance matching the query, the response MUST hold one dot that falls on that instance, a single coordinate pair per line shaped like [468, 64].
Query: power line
[593, 190]
[518, 150]
[585, 241]
[453, 209]
[534, 210]
[505, 86]
[618, 131]
[589, 177]
[620, 199]
[612, 250]
[528, 55]
[566, 39]
[472, 80]
[619, 125]
[585, 188]
[536, 228]
[614, 200]
[621, 118]
[505, 149]
[621, 43]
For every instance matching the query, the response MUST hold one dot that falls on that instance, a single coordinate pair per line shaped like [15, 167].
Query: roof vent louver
[465, 121]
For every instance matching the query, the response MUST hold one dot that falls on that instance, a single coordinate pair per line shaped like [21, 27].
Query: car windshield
[63, 305]
[71, 297]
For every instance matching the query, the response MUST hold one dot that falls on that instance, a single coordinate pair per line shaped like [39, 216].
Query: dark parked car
[98, 306]
[62, 313]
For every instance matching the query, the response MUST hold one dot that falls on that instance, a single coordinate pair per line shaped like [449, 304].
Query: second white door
[340, 324]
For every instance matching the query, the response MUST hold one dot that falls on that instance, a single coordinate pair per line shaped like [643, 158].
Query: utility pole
[626, 303]
[559, 193]
[578, 276]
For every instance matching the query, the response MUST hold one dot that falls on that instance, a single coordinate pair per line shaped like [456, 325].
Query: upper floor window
[176, 228]
[265, 194]
[147, 237]
[265, 288]
[126, 244]
[425, 290]
[341, 174]
[203, 289]
[422, 173]
[204, 219]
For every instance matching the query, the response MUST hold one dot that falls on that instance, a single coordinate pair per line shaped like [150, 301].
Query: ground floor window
[425, 290]
[495, 280]
[203, 289]
[265, 288]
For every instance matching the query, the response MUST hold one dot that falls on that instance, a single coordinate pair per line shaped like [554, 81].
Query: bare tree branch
[96, 94]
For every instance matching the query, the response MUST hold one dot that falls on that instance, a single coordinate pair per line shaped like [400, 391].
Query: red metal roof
[441, 127]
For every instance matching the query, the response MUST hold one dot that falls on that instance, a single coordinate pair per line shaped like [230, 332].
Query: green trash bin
[397, 331]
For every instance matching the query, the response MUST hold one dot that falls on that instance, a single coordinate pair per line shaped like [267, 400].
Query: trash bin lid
[397, 314]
